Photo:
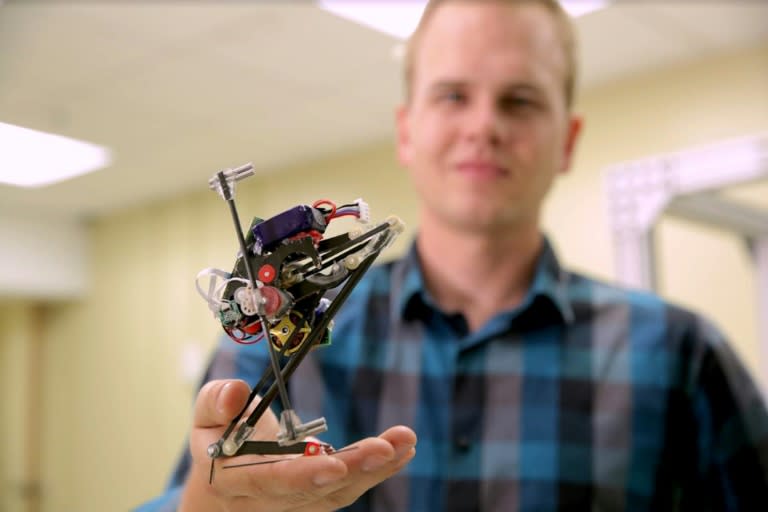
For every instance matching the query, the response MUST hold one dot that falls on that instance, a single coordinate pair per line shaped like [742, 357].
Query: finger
[389, 446]
[360, 483]
[305, 478]
[369, 465]
[402, 439]
[218, 402]
[304, 482]
[293, 481]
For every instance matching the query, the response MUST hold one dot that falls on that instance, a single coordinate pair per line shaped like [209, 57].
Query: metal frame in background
[685, 184]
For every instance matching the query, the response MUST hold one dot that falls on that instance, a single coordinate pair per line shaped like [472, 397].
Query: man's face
[487, 128]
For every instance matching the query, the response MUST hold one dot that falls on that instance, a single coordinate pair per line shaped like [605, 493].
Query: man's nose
[484, 123]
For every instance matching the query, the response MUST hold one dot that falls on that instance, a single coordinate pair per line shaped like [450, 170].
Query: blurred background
[102, 335]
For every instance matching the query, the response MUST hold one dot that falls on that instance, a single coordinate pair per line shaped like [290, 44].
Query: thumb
[218, 402]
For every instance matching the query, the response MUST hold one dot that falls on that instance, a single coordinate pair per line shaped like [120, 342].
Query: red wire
[329, 203]
[244, 340]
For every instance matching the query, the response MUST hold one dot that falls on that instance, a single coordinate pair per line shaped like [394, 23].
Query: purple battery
[269, 233]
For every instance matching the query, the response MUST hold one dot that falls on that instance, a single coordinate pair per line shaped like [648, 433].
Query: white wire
[350, 209]
[211, 297]
[220, 288]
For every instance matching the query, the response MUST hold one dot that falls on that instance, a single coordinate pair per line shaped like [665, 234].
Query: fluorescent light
[578, 8]
[400, 18]
[397, 19]
[29, 158]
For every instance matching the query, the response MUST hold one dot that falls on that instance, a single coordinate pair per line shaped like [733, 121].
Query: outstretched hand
[297, 484]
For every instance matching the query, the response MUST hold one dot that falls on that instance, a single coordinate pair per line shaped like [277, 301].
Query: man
[530, 387]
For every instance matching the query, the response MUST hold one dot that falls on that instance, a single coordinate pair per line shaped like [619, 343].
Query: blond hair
[564, 27]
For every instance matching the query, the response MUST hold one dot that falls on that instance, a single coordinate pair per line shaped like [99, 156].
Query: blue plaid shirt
[585, 397]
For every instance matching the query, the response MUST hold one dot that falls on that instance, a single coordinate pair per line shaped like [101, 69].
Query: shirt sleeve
[168, 502]
[731, 425]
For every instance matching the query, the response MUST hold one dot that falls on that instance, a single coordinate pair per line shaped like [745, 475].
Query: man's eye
[517, 103]
[453, 97]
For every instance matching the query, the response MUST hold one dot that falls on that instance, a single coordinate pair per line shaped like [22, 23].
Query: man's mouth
[481, 169]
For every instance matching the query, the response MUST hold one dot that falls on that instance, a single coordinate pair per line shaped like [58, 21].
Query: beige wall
[114, 396]
[15, 362]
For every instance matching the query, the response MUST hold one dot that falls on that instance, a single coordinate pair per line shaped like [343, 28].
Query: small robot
[278, 293]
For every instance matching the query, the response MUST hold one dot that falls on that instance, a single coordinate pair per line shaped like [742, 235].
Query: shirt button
[462, 444]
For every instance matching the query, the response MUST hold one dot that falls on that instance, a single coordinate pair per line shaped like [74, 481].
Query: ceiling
[181, 89]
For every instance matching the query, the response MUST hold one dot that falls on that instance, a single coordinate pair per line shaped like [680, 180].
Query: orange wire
[329, 203]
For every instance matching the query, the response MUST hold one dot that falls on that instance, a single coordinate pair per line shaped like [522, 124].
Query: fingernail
[219, 400]
[402, 451]
[323, 479]
[373, 463]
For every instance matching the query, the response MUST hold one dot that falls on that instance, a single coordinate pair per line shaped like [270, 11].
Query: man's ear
[575, 125]
[403, 135]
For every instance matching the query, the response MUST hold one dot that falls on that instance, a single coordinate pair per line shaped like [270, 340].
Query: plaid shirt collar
[549, 286]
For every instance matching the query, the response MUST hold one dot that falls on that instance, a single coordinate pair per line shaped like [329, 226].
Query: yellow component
[283, 330]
